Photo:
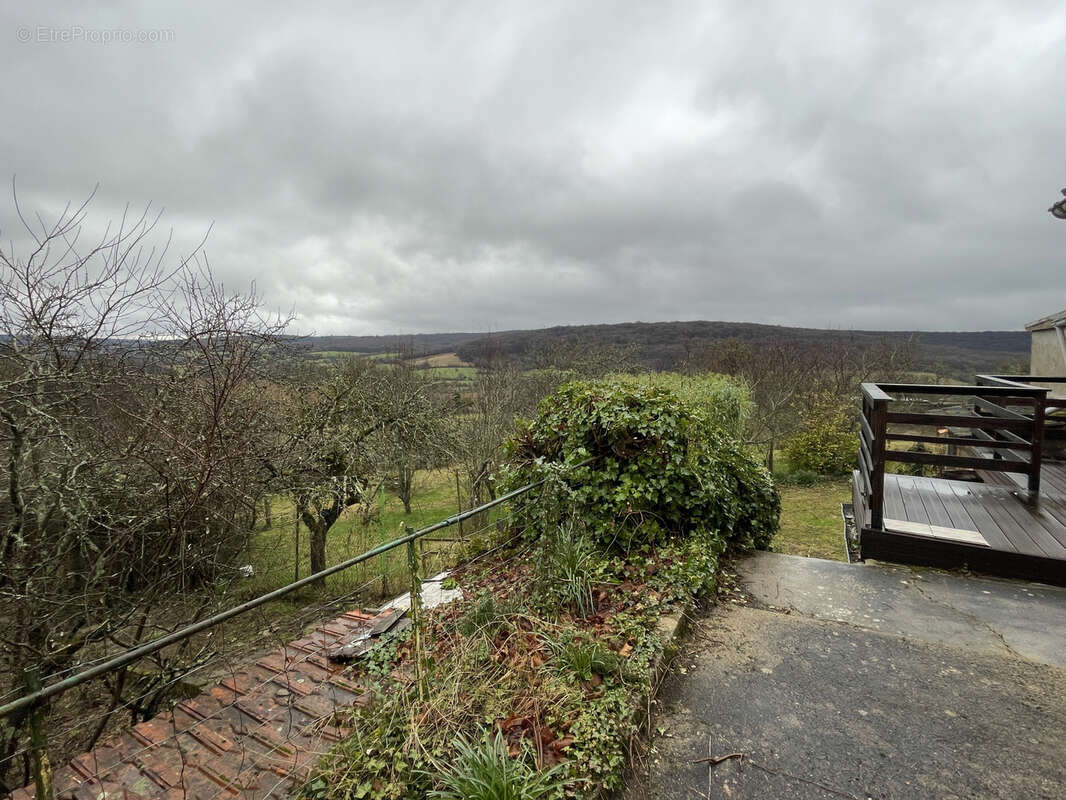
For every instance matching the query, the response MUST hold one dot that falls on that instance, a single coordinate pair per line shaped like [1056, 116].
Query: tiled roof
[256, 734]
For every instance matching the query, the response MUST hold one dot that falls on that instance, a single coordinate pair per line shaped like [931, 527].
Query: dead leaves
[517, 730]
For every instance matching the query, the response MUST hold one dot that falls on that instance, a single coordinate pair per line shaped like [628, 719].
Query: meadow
[811, 526]
[280, 553]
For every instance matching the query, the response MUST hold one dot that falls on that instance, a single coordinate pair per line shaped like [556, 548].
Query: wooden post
[1036, 455]
[459, 504]
[416, 614]
[44, 789]
[878, 423]
[296, 543]
[384, 538]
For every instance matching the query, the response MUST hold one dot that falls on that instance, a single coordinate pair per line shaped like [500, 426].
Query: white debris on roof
[433, 594]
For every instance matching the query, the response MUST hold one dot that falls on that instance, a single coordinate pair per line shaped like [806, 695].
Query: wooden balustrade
[1013, 438]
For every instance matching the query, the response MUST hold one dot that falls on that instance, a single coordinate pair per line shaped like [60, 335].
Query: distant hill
[423, 344]
[663, 345]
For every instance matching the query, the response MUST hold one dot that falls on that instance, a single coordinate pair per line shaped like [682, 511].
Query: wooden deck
[1012, 524]
[1052, 478]
[994, 529]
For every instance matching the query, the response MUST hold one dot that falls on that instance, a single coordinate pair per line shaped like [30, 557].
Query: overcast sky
[395, 167]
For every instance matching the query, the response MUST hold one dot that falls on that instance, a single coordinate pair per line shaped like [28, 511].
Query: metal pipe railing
[133, 655]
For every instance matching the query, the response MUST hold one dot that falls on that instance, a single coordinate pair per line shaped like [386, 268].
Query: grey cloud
[413, 167]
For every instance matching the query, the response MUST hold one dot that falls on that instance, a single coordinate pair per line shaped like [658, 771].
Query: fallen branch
[712, 760]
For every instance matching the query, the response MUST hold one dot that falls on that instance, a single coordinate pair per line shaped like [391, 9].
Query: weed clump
[586, 659]
[485, 771]
[566, 569]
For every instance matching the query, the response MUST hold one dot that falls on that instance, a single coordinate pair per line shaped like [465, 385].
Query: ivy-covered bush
[828, 441]
[642, 459]
[723, 401]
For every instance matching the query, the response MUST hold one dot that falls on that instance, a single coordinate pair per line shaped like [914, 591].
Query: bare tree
[585, 360]
[130, 422]
[500, 394]
[344, 427]
[414, 447]
[785, 377]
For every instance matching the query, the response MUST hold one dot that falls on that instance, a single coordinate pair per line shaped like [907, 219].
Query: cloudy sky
[391, 167]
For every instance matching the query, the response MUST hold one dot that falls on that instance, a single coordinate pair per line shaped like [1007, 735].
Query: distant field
[328, 355]
[441, 360]
[461, 373]
[445, 366]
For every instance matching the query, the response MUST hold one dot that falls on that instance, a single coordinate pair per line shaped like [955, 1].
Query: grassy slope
[810, 520]
[273, 550]
[810, 526]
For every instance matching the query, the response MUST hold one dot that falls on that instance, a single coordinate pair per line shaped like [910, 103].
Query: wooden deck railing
[1014, 437]
[1026, 380]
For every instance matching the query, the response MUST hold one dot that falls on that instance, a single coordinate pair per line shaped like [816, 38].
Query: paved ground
[839, 680]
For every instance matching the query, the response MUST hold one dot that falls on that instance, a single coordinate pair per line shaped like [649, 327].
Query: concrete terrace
[828, 680]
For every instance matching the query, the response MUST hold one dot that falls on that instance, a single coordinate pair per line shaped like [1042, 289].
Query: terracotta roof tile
[256, 734]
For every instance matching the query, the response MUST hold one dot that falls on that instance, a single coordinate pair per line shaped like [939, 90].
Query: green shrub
[722, 400]
[689, 567]
[661, 463]
[785, 476]
[828, 442]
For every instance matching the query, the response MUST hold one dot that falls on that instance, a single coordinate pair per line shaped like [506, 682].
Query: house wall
[1046, 358]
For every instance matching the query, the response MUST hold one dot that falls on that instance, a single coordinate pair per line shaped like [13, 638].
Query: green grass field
[461, 373]
[810, 526]
[273, 551]
[810, 520]
[426, 366]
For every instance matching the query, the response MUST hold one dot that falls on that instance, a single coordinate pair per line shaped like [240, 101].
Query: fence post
[459, 504]
[296, 543]
[1037, 453]
[877, 477]
[416, 613]
[384, 538]
[40, 762]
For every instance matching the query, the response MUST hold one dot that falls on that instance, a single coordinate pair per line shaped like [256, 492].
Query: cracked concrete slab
[1028, 619]
[840, 681]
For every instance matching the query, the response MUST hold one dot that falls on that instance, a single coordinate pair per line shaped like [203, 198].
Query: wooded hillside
[664, 345]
